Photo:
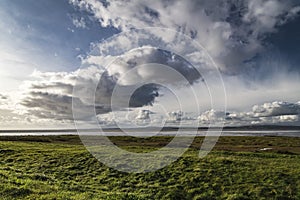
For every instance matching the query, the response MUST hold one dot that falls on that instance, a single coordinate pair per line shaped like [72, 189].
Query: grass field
[59, 167]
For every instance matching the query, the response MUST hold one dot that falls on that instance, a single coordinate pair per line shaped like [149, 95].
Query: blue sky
[255, 45]
[42, 35]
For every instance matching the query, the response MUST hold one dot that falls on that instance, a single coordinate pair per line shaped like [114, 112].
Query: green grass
[59, 167]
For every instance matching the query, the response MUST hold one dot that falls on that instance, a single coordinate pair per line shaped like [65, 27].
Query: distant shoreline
[164, 129]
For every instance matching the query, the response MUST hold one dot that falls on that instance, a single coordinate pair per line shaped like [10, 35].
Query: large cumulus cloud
[232, 31]
[276, 108]
[50, 94]
[268, 113]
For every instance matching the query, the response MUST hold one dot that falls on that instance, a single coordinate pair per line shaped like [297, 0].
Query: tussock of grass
[57, 168]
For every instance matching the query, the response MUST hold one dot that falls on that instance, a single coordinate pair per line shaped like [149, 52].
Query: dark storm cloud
[141, 67]
[286, 42]
[162, 57]
[51, 106]
[144, 95]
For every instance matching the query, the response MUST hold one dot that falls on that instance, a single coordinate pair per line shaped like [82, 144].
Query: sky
[144, 63]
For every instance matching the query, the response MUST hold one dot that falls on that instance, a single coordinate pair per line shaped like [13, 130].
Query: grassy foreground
[59, 167]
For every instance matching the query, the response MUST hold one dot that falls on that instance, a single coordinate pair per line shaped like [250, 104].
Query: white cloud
[143, 115]
[176, 117]
[263, 14]
[79, 22]
[276, 112]
[212, 116]
[276, 108]
[277, 115]
[231, 31]
[288, 118]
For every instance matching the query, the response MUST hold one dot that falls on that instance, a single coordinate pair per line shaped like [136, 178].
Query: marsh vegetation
[59, 167]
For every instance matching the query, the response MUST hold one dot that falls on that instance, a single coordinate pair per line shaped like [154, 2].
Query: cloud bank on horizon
[234, 33]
